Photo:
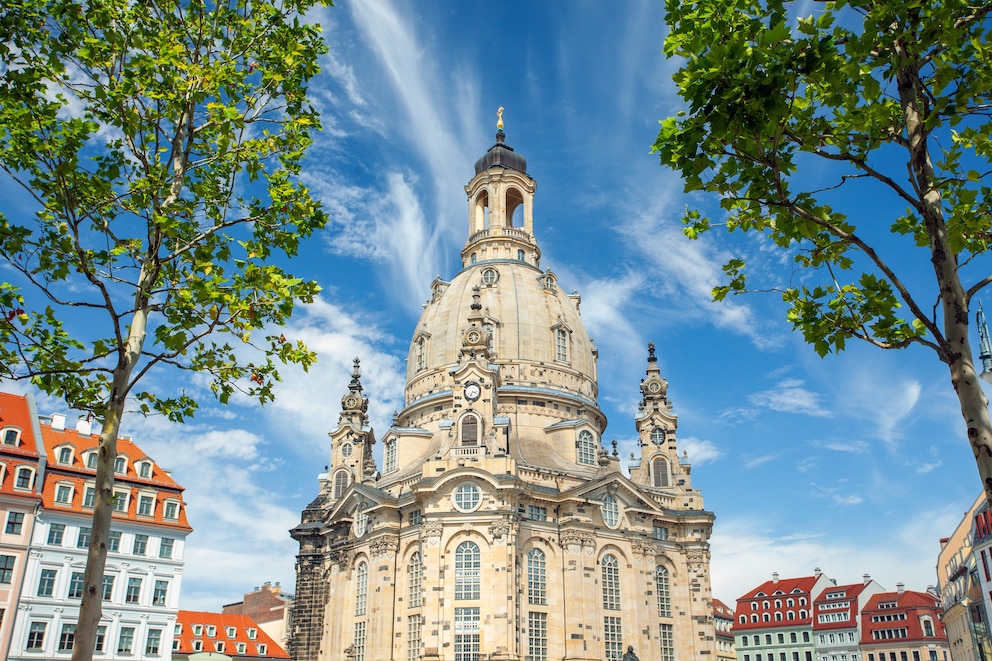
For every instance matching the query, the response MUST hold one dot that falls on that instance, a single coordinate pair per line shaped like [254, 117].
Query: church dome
[503, 155]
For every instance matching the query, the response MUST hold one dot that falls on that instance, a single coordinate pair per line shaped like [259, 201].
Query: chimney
[58, 422]
[900, 588]
[866, 578]
[817, 572]
[83, 425]
[775, 577]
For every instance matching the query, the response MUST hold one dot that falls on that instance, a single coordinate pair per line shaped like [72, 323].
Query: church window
[549, 282]
[475, 258]
[613, 638]
[586, 449]
[415, 570]
[537, 636]
[470, 430]
[361, 521]
[340, 482]
[611, 511]
[658, 435]
[389, 459]
[467, 564]
[421, 354]
[537, 585]
[361, 587]
[667, 643]
[358, 644]
[661, 586]
[346, 450]
[520, 255]
[414, 625]
[489, 276]
[611, 582]
[467, 634]
[467, 497]
[561, 345]
[659, 466]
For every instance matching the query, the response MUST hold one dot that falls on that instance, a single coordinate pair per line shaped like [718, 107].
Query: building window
[658, 435]
[91, 460]
[361, 587]
[252, 632]
[535, 513]
[389, 462]
[126, 641]
[67, 637]
[114, 541]
[133, 594]
[466, 634]
[107, 587]
[219, 646]
[467, 497]
[613, 638]
[361, 520]
[421, 354]
[11, 436]
[211, 630]
[467, 566]
[36, 635]
[537, 636]
[89, 497]
[561, 344]
[611, 582]
[415, 571]
[76, 585]
[165, 547]
[46, 584]
[65, 455]
[140, 544]
[520, 255]
[15, 521]
[240, 647]
[927, 626]
[611, 511]
[197, 645]
[340, 483]
[659, 468]
[358, 653]
[56, 532]
[6, 569]
[414, 625]
[144, 469]
[586, 449]
[153, 642]
[146, 504]
[83, 541]
[159, 593]
[660, 533]
[119, 501]
[23, 480]
[661, 586]
[470, 430]
[101, 636]
[489, 276]
[120, 465]
[170, 510]
[667, 643]
[415, 517]
[537, 580]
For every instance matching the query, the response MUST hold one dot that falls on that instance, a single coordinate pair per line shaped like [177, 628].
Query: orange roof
[722, 610]
[15, 412]
[76, 474]
[223, 626]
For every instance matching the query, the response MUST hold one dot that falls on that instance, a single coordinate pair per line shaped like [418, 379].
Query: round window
[489, 276]
[611, 511]
[346, 450]
[467, 497]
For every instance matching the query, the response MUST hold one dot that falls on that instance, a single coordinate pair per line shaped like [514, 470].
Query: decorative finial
[651, 357]
[499, 119]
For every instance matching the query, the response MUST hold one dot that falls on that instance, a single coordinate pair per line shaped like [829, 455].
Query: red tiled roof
[15, 411]
[910, 606]
[721, 609]
[221, 622]
[76, 474]
[850, 593]
[781, 589]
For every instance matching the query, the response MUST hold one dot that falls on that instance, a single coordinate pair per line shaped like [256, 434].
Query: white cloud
[754, 462]
[789, 396]
[700, 451]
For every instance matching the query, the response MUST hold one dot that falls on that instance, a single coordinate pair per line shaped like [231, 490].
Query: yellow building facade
[498, 525]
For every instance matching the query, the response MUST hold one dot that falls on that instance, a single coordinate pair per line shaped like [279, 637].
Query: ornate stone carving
[578, 541]
[644, 547]
[384, 547]
[430, 532]
[339, 558]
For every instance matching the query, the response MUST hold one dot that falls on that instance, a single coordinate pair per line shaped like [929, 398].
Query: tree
[889, 102]
[159, 143]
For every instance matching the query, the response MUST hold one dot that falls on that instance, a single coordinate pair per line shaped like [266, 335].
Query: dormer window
[197, 629]
[389, 457]
[586, 449]
[63, 493]
[24, 478]
[211, 630]
[341, 481]
[490, 276]
[252, 633]
[170, 510]
[470, 430]
[11, 436]
[120, 465]
[65, 456]
[145, 469]
[561, 345]
[231, 632]
[91, 460]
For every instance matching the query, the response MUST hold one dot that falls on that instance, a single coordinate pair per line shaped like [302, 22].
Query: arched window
[586, 449]
[754, 617]
[537, 584]
[340, 482]
[361, 587]
[743, 619]
[661, 586]
[611, 511]
[467, 564]
[561, 345]
[659, 468]
[927, 626]
[120, 465]
[803, 615]
[470, 430]
[389, 457]
[11, 435]
[658, 435]
[421, 353]
[23, 478]
[791, 615]
[415, 571]
[765, 617]
[611, 582]
[65, 455]
[778, 616]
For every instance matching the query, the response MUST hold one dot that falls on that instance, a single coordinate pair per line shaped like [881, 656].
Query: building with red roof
[723, 623]
[774, 620]
[903, 626]
[837, 621]
[144, 559]
[21, 469]
[236, 636]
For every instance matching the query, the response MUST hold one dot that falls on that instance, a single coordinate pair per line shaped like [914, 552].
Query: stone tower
[498, 526]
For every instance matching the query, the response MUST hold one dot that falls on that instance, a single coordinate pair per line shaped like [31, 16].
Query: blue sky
[855, 464]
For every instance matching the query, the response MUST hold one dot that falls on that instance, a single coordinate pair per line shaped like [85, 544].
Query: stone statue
[629, 655]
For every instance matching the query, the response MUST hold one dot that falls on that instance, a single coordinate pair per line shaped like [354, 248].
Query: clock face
[351, 402]
[474, 337]
[654, 386]
[472, 391]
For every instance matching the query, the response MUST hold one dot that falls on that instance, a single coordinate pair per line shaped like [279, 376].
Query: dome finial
[499, 119]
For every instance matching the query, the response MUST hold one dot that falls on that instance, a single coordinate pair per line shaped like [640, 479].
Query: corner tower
[499, 525]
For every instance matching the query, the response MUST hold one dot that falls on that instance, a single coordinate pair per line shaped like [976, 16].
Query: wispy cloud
[700, 451]
[754, 462]
[789, 396]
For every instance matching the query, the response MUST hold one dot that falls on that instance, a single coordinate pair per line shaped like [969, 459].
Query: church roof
[501, 155]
